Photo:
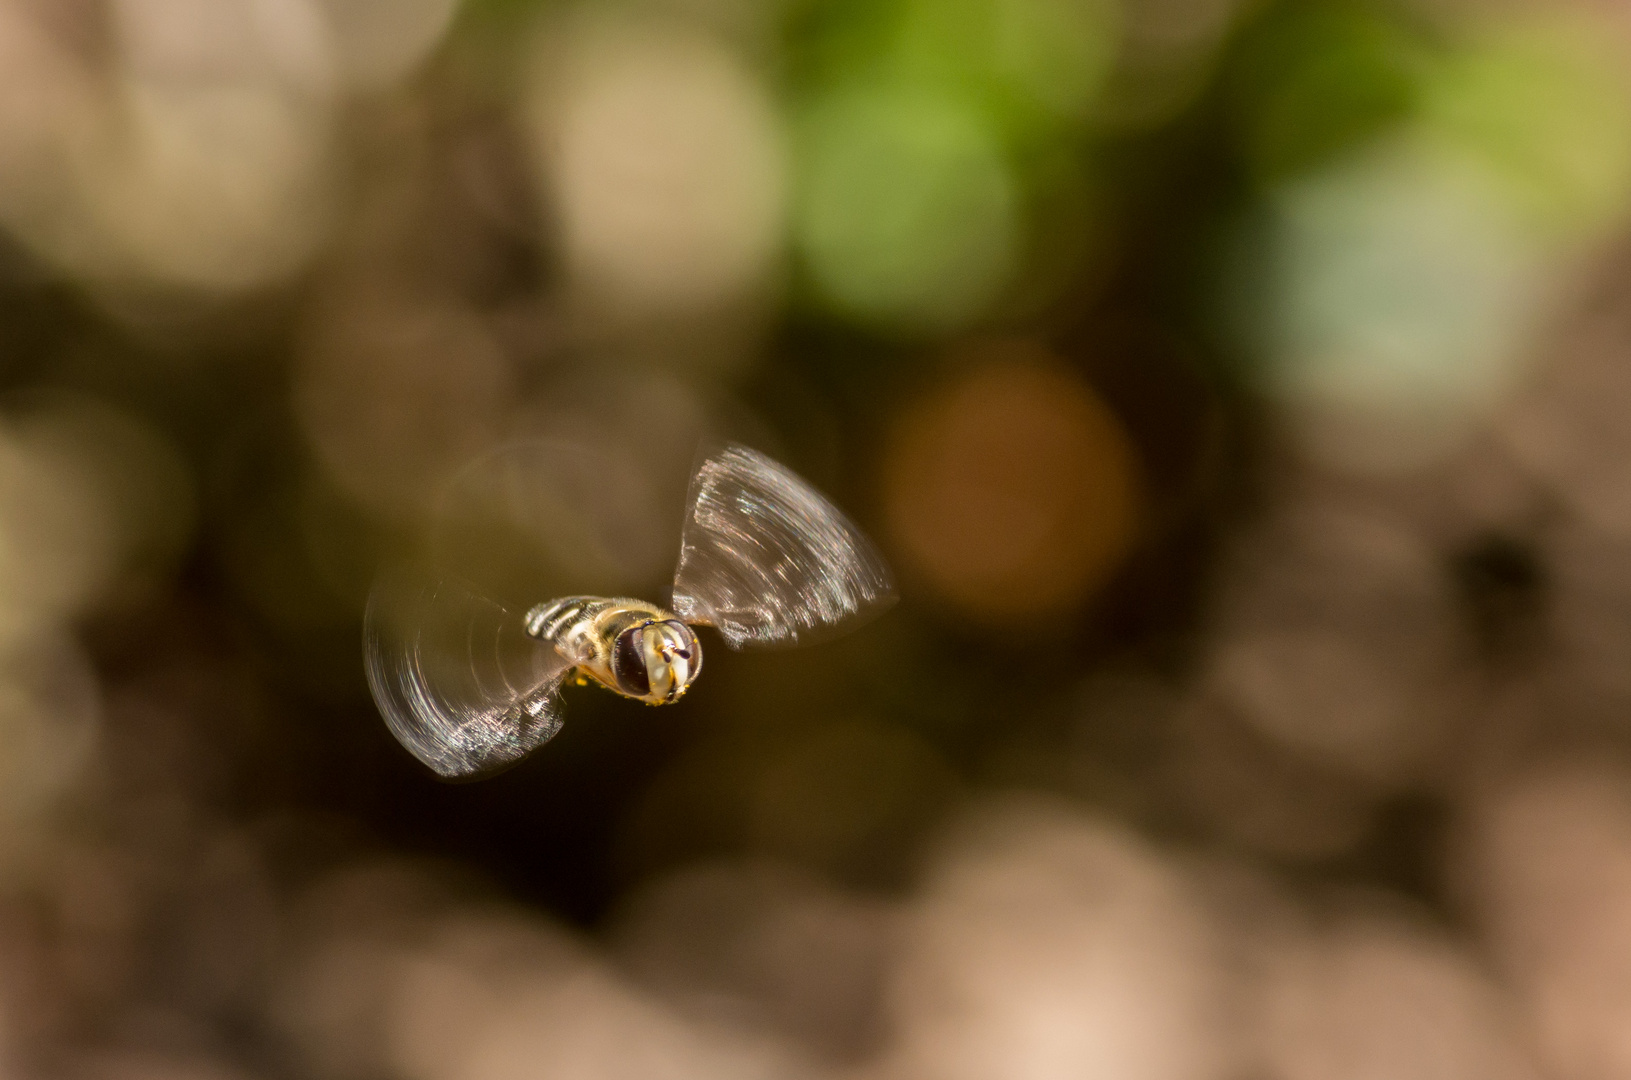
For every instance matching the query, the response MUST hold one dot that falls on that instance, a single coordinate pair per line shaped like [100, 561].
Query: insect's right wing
[456, 677]
[766, 560]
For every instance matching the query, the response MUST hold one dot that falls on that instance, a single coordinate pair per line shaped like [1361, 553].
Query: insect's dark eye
[629, 662]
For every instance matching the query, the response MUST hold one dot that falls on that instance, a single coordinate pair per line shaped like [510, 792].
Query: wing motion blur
[458, 680]
[766, 560]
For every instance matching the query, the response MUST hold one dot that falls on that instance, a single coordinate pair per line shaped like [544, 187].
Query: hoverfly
[470, 687]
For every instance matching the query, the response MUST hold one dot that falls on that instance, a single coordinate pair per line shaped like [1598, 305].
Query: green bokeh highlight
[915, 123]
[907, 211]
[1314, 82]
[1031, 65]
[1397, 279]
[1035, 64]
[1547, 107]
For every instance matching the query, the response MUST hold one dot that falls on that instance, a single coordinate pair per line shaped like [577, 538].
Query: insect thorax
[631, 647]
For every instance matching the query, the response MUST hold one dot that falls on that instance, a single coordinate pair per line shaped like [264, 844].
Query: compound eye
[629, 661]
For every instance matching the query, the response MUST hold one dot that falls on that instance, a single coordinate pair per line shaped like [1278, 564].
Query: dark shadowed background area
[1239, 389]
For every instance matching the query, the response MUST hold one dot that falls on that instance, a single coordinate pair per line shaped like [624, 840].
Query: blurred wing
[458, 680]
[766, 560]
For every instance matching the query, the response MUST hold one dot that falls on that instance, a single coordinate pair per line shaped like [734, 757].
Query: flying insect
[470, 687]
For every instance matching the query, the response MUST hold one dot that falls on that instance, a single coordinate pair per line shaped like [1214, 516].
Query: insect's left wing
[458, 680]
[766, 560]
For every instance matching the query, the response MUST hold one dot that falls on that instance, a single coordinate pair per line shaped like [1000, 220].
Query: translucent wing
[458, 680]
[766, 560]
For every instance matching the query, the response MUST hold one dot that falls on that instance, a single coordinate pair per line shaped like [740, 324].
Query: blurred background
[1239, 388]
